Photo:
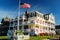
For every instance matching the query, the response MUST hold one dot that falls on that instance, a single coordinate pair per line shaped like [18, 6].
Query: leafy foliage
[19, 32]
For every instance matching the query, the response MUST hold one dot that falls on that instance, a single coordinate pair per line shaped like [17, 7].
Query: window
[52, 29]
[31, 14]
[35, 13]
[11, 28]
[11, 22]
[32, 21]
[15, 23]
[46, 28]
[46, 17]
[25, 33]
[26, 27]
[40, 16]
[20, 27]
[48, 23]
[37, 26]
[40, 21]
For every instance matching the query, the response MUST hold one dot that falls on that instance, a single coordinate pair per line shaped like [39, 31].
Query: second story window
[11, 28]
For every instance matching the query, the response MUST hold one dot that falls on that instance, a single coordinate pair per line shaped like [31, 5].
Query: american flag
[24, 5]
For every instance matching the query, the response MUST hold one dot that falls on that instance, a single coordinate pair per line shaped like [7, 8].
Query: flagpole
[18, 19]
[18, 15]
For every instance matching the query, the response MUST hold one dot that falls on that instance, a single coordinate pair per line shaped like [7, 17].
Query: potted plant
[19, 35]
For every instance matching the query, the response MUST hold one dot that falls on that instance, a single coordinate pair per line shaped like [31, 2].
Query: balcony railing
[26, 30]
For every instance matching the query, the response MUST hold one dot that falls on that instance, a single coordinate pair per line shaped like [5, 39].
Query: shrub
[19, 32]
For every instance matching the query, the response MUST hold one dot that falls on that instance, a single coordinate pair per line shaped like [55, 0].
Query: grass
[3, 37]
[40, 37]
[32, 37]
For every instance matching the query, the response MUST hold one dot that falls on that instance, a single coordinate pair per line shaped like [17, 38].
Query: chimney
[26, 14]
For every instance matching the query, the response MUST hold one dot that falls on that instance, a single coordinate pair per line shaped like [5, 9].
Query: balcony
[25, 23]
[26, 30]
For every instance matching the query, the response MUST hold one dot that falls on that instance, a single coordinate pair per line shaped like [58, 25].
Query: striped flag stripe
[24, 5]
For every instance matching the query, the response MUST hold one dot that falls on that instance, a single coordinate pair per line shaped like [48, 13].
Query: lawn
[40, 37]
[32, 37]
[3, 37]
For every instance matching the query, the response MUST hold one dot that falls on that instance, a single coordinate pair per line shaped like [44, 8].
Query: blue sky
[10, 8]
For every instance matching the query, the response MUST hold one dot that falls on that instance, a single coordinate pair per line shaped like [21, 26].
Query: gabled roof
[57, 26]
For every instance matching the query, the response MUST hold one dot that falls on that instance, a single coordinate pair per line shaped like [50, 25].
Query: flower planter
[18, 37]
